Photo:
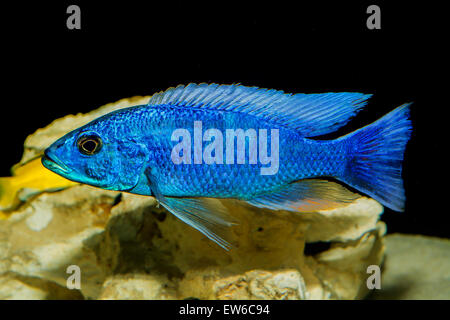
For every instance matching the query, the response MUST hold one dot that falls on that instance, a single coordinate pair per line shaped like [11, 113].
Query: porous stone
[137, 287]
[261, 284]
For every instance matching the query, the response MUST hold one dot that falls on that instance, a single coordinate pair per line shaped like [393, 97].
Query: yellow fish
[27, 181]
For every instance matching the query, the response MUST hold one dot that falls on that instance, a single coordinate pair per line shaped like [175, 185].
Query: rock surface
[416, 267]
[126, 247]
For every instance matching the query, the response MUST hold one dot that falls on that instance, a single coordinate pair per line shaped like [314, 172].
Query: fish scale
[292, 146]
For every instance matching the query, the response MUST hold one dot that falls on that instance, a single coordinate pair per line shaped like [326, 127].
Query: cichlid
[195, 142]
[28, 180]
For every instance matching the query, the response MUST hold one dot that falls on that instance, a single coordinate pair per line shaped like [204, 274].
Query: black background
[139, 48]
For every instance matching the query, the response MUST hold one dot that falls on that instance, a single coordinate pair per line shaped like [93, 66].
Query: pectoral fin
[307, 195]
[208, 216]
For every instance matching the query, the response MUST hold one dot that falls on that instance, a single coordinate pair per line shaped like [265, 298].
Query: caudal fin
[376, 156]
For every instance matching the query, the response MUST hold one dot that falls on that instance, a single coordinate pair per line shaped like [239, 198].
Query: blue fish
[201, 141]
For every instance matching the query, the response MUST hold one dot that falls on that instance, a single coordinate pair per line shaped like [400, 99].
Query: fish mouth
[54, 164]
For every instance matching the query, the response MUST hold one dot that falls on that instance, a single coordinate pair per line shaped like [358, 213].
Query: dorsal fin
[310, 114]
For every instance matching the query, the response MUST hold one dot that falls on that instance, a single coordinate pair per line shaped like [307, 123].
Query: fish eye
[89, 144]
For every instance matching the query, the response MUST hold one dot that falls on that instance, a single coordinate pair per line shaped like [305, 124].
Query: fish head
[98, 154]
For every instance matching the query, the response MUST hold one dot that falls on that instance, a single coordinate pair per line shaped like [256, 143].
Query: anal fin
[307, 195]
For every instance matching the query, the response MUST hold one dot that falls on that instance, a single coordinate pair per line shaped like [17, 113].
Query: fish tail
[375, 158]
